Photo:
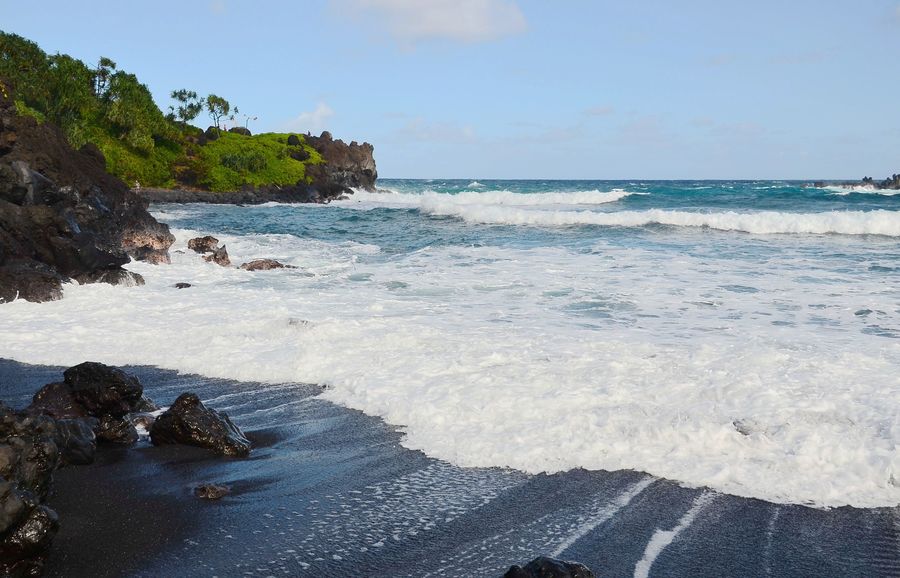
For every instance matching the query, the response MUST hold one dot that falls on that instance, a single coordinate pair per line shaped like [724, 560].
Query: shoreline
[330, 491]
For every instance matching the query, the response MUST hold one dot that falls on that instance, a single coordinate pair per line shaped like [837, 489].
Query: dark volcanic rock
[211, 491]
[294, 140]
[145, 404]
[212, 133]
[203, 244]
[57, 401]
[142, 419]
[28, 456]
[189, 422]
[543, 567]
[103, 390]
[219, 256]
[76, 440]
[62, 217]
[116, 430]
[240, 130]
[264, 265]
[345, 167]
[181, 285]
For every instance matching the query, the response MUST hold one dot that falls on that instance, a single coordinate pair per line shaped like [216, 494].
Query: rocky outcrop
[62, 217]
[28, 457]
[892, 182]
[543, 567]
[211, 491]
[346, 166]
[265, 265]
[190, 422]
[219, 256]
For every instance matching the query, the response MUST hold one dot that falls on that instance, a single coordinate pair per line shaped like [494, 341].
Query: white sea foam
[758, 380]
[879, 222]
[486, 198]
[860, 189]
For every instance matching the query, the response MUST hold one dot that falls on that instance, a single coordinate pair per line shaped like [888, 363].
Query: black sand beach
[330, 492]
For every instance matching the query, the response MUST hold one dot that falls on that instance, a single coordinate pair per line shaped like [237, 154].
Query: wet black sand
[330, 492]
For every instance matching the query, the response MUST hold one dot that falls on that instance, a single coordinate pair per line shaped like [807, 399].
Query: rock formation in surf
[62, 216]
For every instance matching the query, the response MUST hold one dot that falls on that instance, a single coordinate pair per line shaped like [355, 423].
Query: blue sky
[527, 88]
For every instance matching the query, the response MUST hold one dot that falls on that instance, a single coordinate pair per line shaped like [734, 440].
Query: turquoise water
[743, 336]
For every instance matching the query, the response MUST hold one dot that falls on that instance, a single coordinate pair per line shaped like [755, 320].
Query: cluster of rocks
[209, 246]
[94, 403]
[892, 182]
[63, 218]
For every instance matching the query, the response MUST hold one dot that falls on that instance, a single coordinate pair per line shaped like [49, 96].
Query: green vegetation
[113, 110]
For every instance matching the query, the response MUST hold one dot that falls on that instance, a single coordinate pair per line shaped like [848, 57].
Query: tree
[70, 102]
[24, 64]
[105, 69]
[132, 113]
[187, 106]
[217, 107]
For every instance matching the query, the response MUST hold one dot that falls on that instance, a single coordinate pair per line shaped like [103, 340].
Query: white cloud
[314, 121]
[418, 129]
[413, 21]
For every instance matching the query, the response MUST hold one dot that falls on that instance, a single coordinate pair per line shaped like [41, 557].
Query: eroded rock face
[62, 217]
[28, 457]
[190, 422]
[346, 166]
[543, 567]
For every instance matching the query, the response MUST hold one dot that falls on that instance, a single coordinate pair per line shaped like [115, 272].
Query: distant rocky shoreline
[890, 183]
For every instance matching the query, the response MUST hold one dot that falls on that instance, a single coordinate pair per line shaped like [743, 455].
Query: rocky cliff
[62, 217]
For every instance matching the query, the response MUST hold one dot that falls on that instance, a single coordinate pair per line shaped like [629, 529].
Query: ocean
[738, 336]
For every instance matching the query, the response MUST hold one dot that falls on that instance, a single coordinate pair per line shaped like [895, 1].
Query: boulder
[543, 567]
[116, 430]
[28, 457]
[211, 491]
[57, 401]
[219, 257]
[181, 285]
[294, 140]
[212, 133]
[189, 422]
[145, 405]
[103, 390]
[240, 130]
[76, 440]
[142, 420]
[205, 244]
[264, 265]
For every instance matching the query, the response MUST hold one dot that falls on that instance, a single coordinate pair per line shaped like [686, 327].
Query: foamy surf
[756, 381]
[878, 222]
[486, 198]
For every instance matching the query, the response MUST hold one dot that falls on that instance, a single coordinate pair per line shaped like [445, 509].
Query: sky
[526, 89]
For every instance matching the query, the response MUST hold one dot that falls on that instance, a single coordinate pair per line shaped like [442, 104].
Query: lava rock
[205, 244]
[211, 491]
[189, 422]
[28, 457]
[142, 420]
[57, 401]
[265, 265]
[294, 140]
[116, 430]
[145, 405]
[76, 440]
[212, 133]
[182, 285]
[543, 567]
[219, 257]
[240, 130]
[103, 390]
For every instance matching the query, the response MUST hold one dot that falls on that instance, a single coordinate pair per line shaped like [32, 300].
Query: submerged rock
[190, 422]
[203, 244]
[116, 430]
[219, 257]
[181, 285]
[211, 491]
[265, 265]
[543, 567]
